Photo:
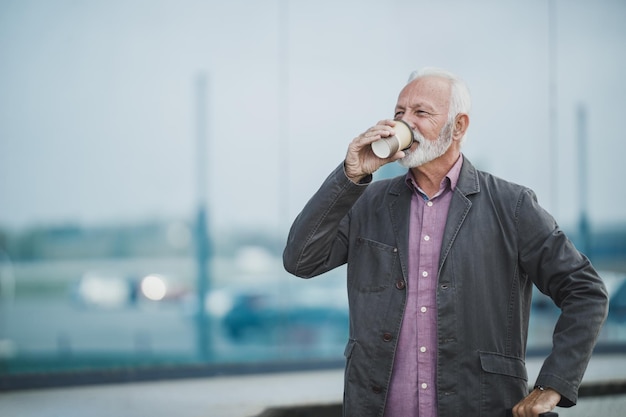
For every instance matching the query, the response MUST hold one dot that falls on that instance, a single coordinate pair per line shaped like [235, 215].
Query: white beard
[427, 150]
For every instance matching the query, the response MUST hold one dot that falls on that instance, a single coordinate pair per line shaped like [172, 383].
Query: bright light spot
[154, 287]
[103, 290]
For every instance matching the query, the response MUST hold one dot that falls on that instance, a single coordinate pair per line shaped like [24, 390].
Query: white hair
[460, 99]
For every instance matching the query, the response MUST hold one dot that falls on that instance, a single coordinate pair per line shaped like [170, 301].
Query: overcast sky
[98, 114]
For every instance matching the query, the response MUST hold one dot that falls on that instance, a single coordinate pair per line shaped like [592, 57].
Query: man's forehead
[427, 91]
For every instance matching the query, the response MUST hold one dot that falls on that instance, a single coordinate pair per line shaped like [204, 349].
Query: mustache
[417, 137]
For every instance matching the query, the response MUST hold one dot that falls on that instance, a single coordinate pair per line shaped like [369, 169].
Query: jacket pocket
[503, 382]
[371, 266]
[496, 363]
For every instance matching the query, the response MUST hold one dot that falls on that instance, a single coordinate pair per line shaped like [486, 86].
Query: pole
[203, 247]
[583, 194]
[283, 107]
[552, 104]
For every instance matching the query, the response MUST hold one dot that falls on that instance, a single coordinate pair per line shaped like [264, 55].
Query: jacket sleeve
[559, 270]
[318, 238]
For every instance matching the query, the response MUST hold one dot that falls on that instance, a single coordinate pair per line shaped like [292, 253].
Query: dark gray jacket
[497, 242]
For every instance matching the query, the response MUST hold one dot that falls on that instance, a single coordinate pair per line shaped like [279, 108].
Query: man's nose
[406, 119]
[410, 123]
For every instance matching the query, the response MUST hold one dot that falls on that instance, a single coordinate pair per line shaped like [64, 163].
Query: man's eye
[398, 114]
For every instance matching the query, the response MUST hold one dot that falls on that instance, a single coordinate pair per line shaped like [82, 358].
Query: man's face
[427, 150]
[423, 104]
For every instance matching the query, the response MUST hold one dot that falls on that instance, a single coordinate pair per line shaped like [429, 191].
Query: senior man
[441, 266]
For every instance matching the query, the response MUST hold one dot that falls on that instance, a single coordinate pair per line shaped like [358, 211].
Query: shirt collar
[455, 172]
[452, 177]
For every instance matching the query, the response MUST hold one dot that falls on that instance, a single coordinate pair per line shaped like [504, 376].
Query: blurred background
[154, 153]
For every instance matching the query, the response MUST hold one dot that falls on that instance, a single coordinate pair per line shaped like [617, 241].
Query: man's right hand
[360, 159]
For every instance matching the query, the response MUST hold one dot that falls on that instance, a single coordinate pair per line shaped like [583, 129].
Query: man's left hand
[537, 402]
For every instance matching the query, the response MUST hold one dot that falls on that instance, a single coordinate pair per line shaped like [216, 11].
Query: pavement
[251, 395]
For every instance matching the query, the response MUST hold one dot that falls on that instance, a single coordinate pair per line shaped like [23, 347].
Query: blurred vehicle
[113, 290]
[296, 317]
[616, 285]
[260, 314]
[545, 313]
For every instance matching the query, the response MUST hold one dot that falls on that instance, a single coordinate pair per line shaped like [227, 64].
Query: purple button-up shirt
[412, 390]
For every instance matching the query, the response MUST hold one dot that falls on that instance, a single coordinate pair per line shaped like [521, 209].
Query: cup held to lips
[386, 147]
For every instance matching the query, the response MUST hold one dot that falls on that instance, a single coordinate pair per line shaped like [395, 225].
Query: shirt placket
[426, 308]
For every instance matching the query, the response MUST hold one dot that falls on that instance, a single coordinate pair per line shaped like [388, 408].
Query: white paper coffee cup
[386, 147]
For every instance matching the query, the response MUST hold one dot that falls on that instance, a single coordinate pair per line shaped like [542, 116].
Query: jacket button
[377, 389]
[387, 337]
[400, 285]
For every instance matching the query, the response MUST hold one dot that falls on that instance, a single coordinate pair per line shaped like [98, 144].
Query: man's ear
[461, 123]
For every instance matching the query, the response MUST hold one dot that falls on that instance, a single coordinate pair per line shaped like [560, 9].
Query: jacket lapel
[459, 207]
[399, 211]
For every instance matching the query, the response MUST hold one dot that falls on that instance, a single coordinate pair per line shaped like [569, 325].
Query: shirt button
[425, 274]
[429, 204]
[423, 309]
[427, 238]
[423, 349]
[424, 385]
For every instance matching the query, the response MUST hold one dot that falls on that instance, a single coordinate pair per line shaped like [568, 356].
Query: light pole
[203, 244]
[552, 104]
[583, 194]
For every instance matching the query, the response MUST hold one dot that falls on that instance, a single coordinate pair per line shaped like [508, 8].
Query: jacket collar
[467, 184]
[468, 180]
